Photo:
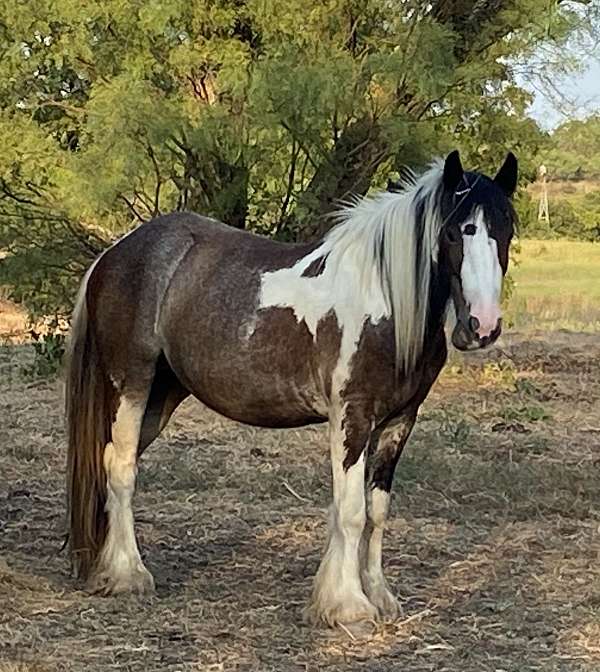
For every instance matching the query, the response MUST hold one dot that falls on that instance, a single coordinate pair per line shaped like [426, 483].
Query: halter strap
[462, 193]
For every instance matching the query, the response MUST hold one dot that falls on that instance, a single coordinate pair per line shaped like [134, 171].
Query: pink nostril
[488, 329]
[484, 320]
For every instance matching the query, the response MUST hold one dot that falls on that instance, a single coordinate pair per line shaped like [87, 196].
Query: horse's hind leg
[166, 394]
[120, 568]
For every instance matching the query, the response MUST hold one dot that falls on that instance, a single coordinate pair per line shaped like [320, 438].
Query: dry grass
[493, 545]
[564, 189]
[13, 321]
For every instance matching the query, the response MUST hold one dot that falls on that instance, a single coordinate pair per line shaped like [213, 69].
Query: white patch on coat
[373, 579]
[370, 269]
[378, 511]
[340, 287]
[481, 275]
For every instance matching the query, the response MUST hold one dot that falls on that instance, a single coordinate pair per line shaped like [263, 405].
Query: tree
[260, 113]
[571, 155]
[574, 150]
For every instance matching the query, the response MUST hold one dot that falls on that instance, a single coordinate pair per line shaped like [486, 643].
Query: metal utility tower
[543, 212]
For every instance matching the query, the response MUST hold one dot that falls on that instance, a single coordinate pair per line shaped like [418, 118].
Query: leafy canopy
[260, 113]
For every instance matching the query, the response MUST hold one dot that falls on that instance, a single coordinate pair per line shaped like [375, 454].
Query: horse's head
[479, 222]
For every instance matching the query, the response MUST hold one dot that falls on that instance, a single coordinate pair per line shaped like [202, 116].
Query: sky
[582, 90]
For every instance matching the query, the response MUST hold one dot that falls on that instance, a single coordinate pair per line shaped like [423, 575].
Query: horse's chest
[372, 381]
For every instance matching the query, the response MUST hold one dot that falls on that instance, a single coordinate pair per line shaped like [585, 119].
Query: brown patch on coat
[387, 450]
[316, 267]
[356, 425]
[261, 366]
[328, 342]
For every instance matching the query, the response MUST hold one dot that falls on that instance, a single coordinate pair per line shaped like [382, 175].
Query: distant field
[557, 286]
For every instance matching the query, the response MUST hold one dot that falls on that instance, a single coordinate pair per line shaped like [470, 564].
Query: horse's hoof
[353, 609]
[388, 607]
[137, 582]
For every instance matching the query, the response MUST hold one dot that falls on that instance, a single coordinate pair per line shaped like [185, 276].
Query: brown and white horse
[348, 330]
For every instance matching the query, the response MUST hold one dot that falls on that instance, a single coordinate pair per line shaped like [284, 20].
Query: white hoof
[345, 610]
[137, 581]
[379, 594]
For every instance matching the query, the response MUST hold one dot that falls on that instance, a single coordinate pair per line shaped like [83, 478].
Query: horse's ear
[506, 177]
[453, 170]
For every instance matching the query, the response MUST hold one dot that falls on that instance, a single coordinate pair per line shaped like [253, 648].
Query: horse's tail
[89, 400]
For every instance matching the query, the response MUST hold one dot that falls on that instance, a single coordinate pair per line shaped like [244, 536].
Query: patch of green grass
[531, 413]
[557, 286]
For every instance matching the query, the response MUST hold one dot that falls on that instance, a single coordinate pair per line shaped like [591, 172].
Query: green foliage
[571, 155]
[49, 350]
[530, 413]
[578, 218]
[575, 149]
[259, 113]
[575, 217]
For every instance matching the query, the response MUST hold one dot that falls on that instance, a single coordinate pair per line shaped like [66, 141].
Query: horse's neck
[355, 280]
[439, 296]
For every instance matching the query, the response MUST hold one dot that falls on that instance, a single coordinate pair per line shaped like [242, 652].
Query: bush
[49, 351]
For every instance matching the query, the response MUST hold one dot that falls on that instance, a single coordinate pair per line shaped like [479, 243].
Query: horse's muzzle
[465, 337]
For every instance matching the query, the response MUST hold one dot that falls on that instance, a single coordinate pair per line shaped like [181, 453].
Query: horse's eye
[470, 230]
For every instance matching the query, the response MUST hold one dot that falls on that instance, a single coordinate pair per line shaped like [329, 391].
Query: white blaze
[481, 275]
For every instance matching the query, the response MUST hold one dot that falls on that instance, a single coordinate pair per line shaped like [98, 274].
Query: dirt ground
[493, 544]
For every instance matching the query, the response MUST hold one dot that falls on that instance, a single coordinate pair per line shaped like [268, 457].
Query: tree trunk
[347, 171]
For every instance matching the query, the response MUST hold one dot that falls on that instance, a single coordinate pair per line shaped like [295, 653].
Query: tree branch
[156, 209]
[131, 207]
[290, 185]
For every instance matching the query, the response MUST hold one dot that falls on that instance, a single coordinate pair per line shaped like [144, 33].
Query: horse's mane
[396, 234]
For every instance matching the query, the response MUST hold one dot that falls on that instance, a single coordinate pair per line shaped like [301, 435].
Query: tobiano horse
[349, 330]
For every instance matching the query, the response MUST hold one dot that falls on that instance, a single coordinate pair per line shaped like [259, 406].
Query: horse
[349, 329]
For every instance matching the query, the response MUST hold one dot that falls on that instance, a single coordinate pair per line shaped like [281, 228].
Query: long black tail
[90, 399]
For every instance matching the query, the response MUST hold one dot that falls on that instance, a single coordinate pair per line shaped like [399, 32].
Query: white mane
[384, 230]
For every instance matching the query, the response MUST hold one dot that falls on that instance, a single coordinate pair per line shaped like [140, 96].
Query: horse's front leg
[338, 596]
[384, 456]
